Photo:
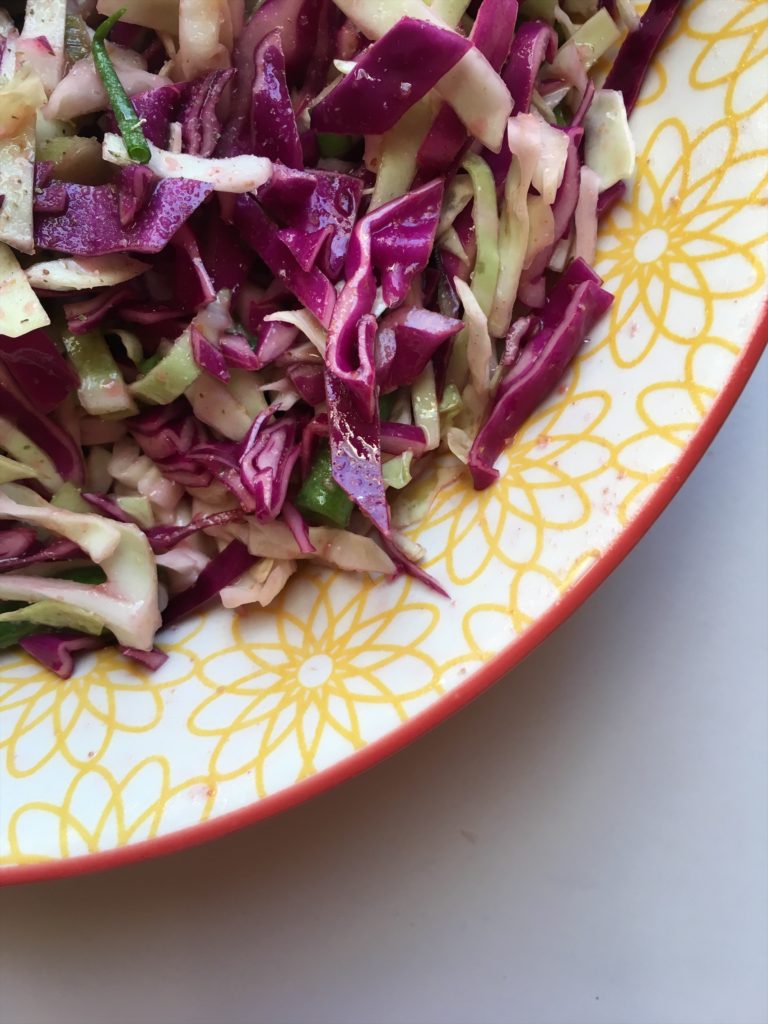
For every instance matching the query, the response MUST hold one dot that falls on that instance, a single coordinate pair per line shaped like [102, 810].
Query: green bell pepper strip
[128, 121]
[320, 496]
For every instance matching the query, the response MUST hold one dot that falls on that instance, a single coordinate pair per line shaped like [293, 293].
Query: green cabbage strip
[397, 471]
[170, 376]
[457, 195]
[400, 146]
[425, 407]
[68, 497]
[12, 469]
[513, 244]
[102, 390]
[22, 450]
[591, 41]
[398, 152]
[56, 615]
[486, 218]
[126, 603]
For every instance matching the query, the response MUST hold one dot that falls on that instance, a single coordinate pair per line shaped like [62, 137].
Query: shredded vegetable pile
[269, 279]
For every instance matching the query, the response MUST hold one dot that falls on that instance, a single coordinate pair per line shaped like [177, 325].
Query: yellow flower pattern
[330, 667]
[249, 705]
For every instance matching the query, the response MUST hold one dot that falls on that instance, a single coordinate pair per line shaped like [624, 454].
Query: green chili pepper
[320, 496]
[125, 114]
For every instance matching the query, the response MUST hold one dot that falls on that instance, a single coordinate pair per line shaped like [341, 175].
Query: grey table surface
[586, 844]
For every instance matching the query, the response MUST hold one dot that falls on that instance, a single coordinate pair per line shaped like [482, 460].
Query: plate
[252, 714]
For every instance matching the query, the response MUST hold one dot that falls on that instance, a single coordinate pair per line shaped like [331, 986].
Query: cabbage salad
[269, 278]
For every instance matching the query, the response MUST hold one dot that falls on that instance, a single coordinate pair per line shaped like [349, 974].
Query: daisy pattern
[333, 666]
[541, 488]
[532, 591]
[735, 37]
[42, 716]
[669, 252]
[670, 412]
[96, 810]
[248, 705]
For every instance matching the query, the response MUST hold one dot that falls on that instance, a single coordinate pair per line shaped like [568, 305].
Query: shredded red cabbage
[324, 237]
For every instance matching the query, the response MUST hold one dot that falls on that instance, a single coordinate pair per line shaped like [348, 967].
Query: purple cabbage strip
[207, 356]
[86, 314]
[403, 437]
[492, 34]
[134, 187]
[407, 339]
[405, 565]
[91, 224]
[49, 198]
[108, 506]
[164, 538]
[192, 283]
[200, 124]
[308, 202]
[298, 528]
[266, 463]
[227, 260]
[274, 339]
[396, 239]
[41, 430]
[534, 43]
[58, 550]
[356, 452]
[309, 381]
[55, 650]
[577, 301]
[297, 22]
[391, 75]
[15, 541]
[157, 109]
[38, 368]
[222, 570]
[628, 71]
[153, 660]
[273, 132]
[608, 199]
[312, 288]
[402, 238]
[305, 246]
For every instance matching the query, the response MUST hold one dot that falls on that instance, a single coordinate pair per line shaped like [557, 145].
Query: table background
[586, 844]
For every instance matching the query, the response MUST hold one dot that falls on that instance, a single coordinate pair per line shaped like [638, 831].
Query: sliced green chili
[128, 121]
[320, 497]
